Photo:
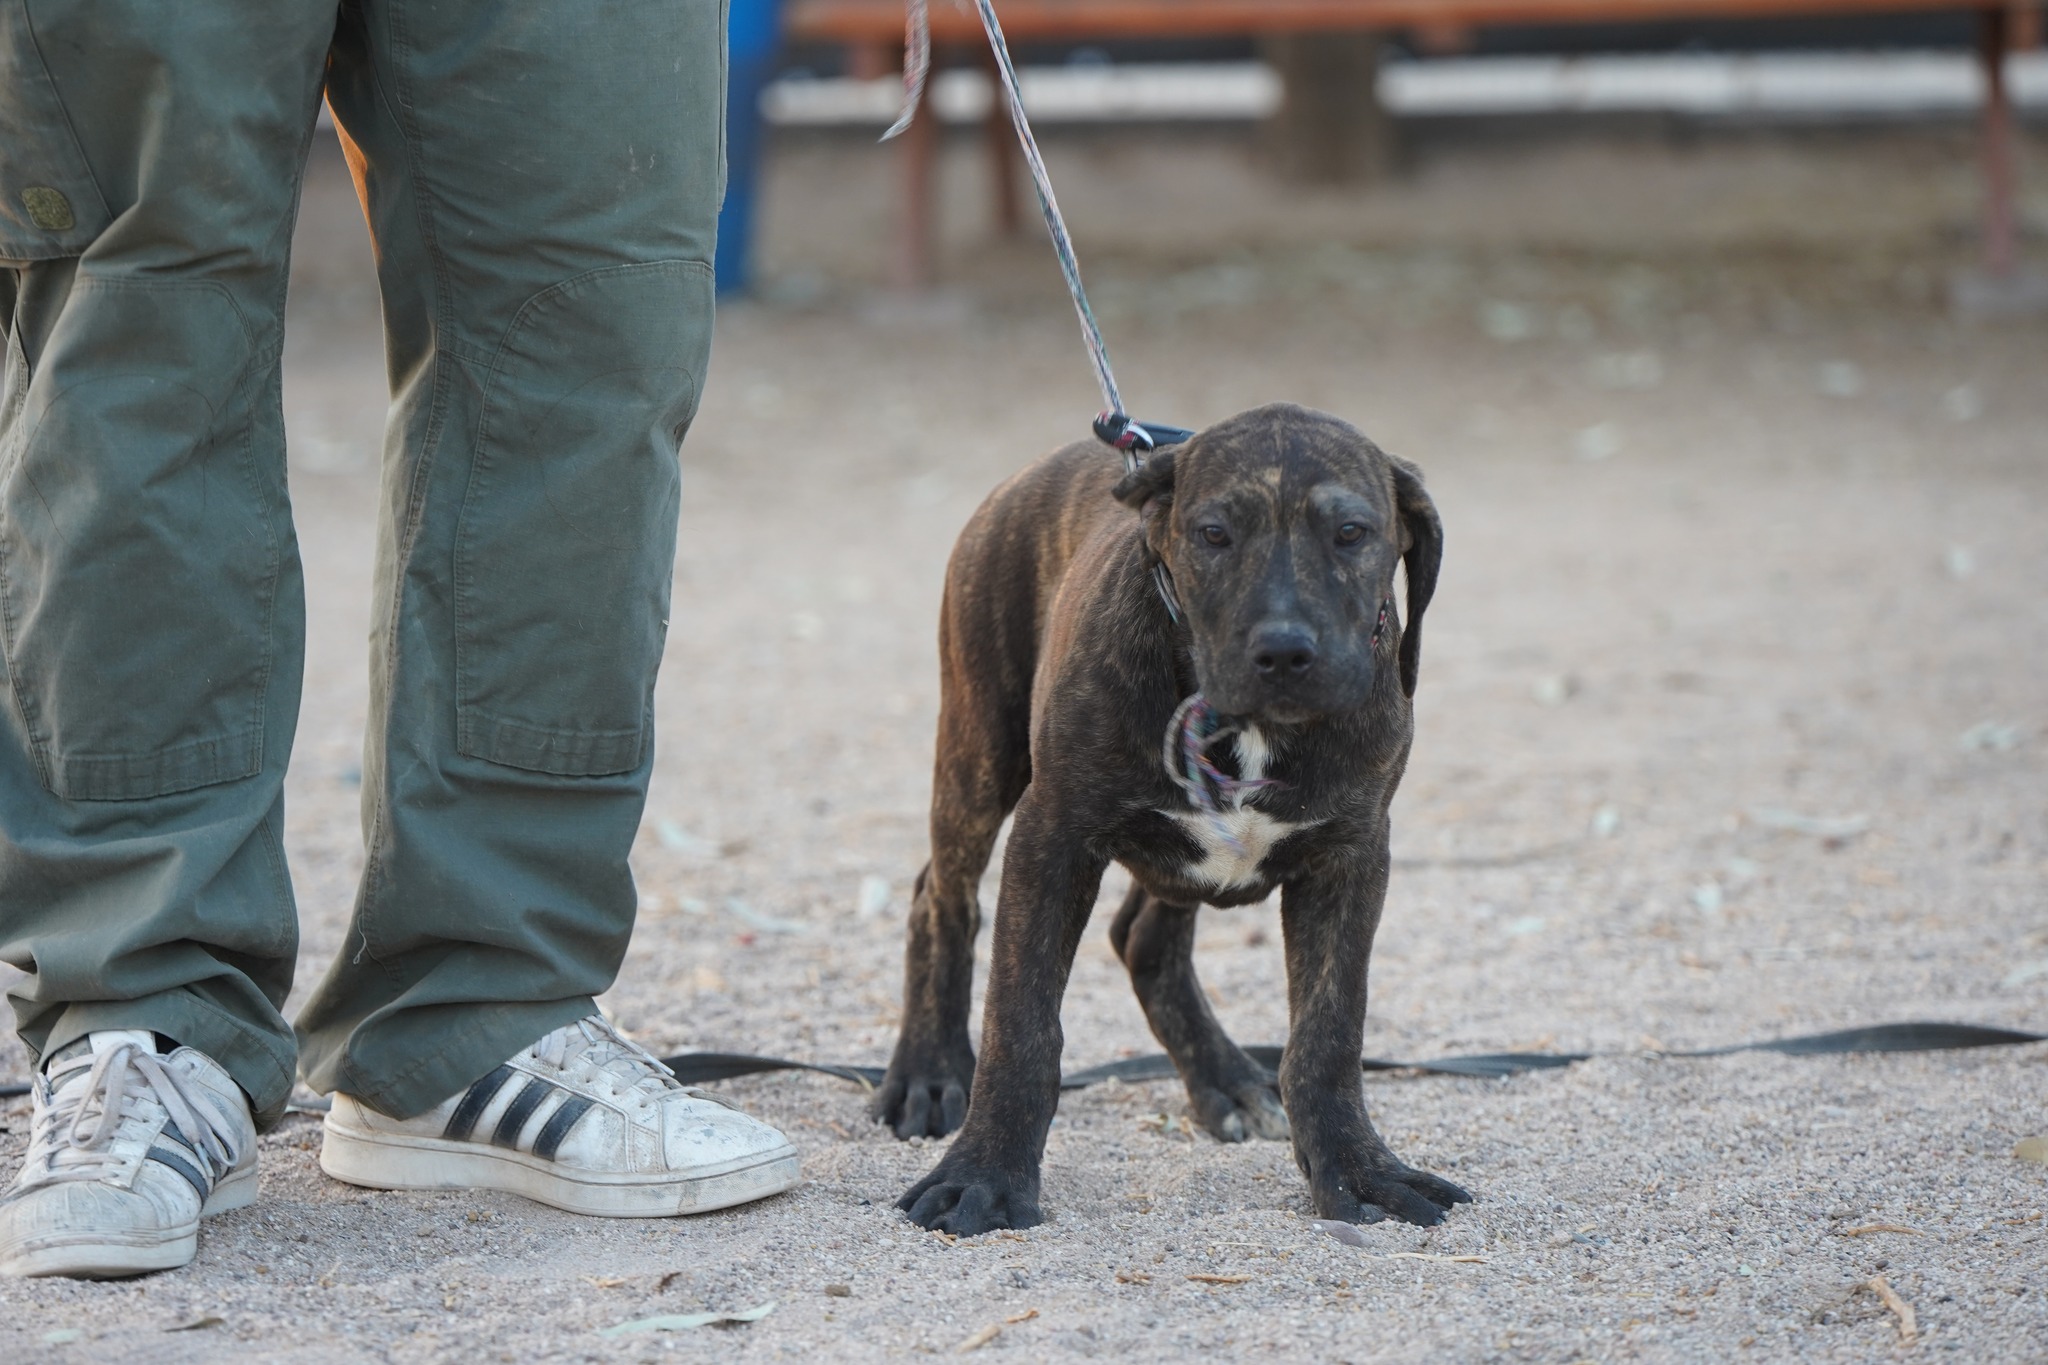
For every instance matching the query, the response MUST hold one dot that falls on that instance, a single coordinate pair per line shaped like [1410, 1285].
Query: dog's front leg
[1329, 917]
[989, 1179]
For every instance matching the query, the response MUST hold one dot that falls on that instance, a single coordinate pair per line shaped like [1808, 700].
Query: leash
[1918, 1036]
[698, 1068]
[1114, 427]
[1186, 744]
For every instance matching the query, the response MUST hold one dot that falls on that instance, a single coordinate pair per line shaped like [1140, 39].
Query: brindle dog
[1063, 665]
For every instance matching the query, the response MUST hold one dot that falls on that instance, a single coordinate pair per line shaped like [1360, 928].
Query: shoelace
[74, 1139]
[597, 1042]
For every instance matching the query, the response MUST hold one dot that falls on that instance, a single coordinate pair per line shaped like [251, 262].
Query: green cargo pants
[542, 182]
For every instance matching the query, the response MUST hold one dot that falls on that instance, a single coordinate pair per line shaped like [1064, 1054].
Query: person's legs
[150, 594]
[542, 182]
[150, 608]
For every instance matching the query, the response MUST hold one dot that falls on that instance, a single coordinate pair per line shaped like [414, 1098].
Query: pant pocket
[567, 538]
[139, 549]
[50, 206]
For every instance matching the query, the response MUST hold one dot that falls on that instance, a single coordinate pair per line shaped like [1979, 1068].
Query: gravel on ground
[1740, 521]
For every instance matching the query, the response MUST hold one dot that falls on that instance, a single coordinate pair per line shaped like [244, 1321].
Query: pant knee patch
[566, 544]
[139, 551]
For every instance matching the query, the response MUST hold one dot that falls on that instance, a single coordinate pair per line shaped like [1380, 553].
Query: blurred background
[1721, 341]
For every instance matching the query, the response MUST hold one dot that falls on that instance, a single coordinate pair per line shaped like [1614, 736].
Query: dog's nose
[1283, 650]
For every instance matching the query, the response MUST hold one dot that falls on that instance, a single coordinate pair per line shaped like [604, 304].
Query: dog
[1234, 595]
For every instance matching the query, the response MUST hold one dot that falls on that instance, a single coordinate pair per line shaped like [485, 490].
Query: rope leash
[1917, 1036]
[698, 1068]
[1185, 750]
[1113, 426]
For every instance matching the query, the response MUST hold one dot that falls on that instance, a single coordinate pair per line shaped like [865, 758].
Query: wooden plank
[881, 20]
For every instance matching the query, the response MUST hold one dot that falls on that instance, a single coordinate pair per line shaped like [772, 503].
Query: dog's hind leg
[1232, 1096]
[983, 767]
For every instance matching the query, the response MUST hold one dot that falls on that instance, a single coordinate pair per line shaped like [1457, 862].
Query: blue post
[753, 41]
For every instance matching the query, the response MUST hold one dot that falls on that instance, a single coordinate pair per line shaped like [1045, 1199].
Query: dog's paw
[1239, 1113]
[923, 1099]
[967, 1198]
[1368, 1194]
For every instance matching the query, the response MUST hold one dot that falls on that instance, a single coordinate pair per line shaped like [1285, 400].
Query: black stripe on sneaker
[199, 1183]
[463, 1121]
[185, 1146]
[520, 1110]
[558, 1125]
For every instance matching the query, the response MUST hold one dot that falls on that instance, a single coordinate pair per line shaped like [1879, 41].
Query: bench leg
[2001, 176]
[1003, 155]
[919, 206]
[1331, 127]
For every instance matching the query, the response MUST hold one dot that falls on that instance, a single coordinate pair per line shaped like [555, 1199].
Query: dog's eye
[1215, 535]
[1350, 533]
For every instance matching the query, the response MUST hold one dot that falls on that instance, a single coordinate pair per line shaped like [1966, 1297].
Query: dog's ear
[1150, 483]
[1423, 555]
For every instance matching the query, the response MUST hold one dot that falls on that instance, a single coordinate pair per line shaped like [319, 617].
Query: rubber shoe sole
[383, 1161]
[102, 1256]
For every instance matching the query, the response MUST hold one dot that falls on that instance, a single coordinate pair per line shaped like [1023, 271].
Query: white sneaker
[128, 1151]
[583, 1120]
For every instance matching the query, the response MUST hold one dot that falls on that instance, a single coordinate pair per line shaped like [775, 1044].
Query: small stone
[1601, 441]
[2034, 1149]
[1963, 403]
[1560, 1239]
[838, 1291]
[1506, 322]
[1841, 379]
[873, 898]
[1344, 1232]
[1639, 370]
[1990, 736]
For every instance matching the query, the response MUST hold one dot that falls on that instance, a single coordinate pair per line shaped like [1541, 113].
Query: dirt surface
[1739, 520]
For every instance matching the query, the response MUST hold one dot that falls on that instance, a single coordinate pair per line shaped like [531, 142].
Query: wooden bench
[872, 28]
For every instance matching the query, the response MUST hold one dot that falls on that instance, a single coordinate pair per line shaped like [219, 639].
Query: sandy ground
[1738, 517]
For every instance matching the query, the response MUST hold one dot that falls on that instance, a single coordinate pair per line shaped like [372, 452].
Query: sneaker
[584, 1120]
[128, 1150]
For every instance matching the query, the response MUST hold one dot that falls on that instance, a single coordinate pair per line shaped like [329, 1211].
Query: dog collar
[1163, 580]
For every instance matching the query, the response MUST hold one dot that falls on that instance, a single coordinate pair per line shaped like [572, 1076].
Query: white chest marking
[1254, 832]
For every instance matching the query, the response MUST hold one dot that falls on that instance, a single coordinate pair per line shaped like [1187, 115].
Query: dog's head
[1281, 528]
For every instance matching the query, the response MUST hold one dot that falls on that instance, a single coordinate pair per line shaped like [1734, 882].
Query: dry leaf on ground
[979, 1339]
[198, 1324]
[683, 1322]
[1909, 1326]
[1426, 1256]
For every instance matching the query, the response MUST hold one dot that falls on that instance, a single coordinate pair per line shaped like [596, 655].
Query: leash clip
[1120, 431]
